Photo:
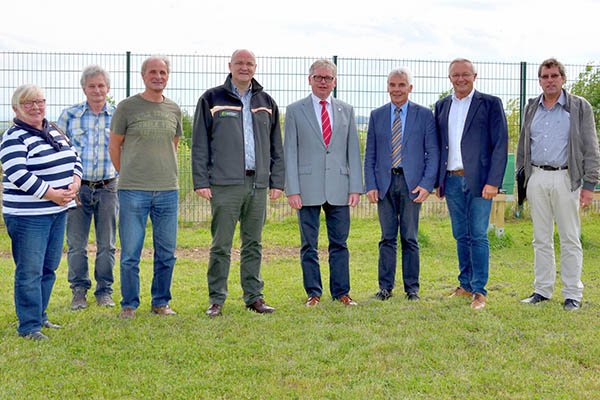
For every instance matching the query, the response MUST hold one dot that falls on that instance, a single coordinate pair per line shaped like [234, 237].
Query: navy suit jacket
[484, 143]
[420, 149]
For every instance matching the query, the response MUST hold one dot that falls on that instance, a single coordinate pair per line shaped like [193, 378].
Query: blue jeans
[37, 243]
[101, 204]
[398, 212]
[134, 208]
[470, 216]
[337, 219]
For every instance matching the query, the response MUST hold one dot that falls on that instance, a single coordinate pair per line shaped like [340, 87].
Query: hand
[585, 198]
[423, 194]
[61, 197]
[372, 195]
[204, 192]
[489, 192]
[275, 193]
[438, 193]
[353, 199]
[295, 201]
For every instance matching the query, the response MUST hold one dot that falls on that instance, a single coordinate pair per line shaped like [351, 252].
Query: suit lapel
[444, 117]
[309, 111]
[475, 103]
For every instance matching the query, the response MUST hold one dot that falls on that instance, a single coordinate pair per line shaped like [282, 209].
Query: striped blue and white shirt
[29, 167]
[89, 133]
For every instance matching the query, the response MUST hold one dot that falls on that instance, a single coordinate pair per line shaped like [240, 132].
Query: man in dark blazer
[401, 167]
[474, 143]
[322, 163]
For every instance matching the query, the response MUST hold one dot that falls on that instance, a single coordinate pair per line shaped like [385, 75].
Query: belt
[250, 172]
[97, 184]
[550, 168]
[458, 172]
[397, 171]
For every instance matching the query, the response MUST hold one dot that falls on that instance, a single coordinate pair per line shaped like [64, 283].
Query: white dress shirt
[317, 106]
[456, 125]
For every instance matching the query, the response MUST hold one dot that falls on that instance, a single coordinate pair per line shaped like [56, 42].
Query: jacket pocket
[305, 169]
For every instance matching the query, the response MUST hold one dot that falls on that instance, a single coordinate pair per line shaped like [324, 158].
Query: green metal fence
[361, 82]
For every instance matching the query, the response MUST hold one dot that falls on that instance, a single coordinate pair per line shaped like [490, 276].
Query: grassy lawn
[437, 348]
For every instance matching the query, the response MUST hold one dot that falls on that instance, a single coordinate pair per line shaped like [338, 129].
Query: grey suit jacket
[318, 173]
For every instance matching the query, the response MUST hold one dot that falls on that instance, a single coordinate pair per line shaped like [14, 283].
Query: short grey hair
[91, 71]
[456, 60]
[323, 63]
[25, 93]
[158, 57]
[399, 72]
[238, 50]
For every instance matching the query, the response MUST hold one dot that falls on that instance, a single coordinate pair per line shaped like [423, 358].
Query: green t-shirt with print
[148, 156]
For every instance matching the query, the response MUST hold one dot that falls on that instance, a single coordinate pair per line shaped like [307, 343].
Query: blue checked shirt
[249, 152]
[89, 134]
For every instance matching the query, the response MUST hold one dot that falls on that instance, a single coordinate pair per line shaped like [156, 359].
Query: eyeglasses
[321, 78]
[464, 75]
[28, 105]
[545, 77]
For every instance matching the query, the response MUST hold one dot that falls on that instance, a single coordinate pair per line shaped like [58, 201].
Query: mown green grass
[437, 348]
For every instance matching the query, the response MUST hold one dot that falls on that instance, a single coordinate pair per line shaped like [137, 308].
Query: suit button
[446, 147]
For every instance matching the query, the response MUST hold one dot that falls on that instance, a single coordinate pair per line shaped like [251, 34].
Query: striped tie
[325, 124]
[396, 139]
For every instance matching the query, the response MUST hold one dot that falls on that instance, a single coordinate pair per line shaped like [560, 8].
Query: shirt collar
[468, 97]
[85, 106]
[237, 92]
[562, 99]
[403, 107]
[317, 100]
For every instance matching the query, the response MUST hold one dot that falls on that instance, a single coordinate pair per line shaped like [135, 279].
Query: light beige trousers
[551, 199]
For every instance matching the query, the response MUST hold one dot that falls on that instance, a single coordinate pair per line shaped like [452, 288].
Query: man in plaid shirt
[88, 127]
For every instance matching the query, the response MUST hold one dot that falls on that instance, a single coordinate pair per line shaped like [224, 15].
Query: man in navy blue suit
[401, 166]
[474, 143]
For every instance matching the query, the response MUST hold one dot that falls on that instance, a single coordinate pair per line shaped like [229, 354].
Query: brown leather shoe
[313, 301]
[460, 292]
[214, 310]
[163, 310]
[478, 301]
[127, 313]
[260, 307]
[347, 301]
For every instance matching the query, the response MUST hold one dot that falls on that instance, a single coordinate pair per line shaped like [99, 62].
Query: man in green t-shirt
[144, 133]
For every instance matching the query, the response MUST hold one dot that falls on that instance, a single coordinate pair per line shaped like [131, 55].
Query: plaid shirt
[89, 133]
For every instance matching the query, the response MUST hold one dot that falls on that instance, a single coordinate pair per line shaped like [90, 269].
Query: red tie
[326, 125]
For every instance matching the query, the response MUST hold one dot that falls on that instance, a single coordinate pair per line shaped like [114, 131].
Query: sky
[502, 31]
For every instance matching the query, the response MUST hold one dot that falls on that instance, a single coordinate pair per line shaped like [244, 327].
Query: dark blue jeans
[100, 204]
[134, 208]
[470, 216]
[398, 212]
[337, 219]
[37, 243]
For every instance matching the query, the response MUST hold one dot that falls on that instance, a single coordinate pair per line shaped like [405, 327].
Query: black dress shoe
[214, 310]
[534, 299]
[412, 296]
[50, 325]
[572, 304]
[383, 294]
[260, 307]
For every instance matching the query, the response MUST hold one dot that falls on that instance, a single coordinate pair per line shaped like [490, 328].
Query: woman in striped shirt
[41, 177]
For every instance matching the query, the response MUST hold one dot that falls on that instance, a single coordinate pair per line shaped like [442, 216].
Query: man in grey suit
[401, 167]
[323, 170]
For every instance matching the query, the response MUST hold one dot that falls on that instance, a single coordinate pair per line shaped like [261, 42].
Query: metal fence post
[128, 75]
[523, 92]
[335, 87]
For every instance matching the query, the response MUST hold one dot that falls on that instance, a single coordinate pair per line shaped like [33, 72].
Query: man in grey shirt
[558, 149]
